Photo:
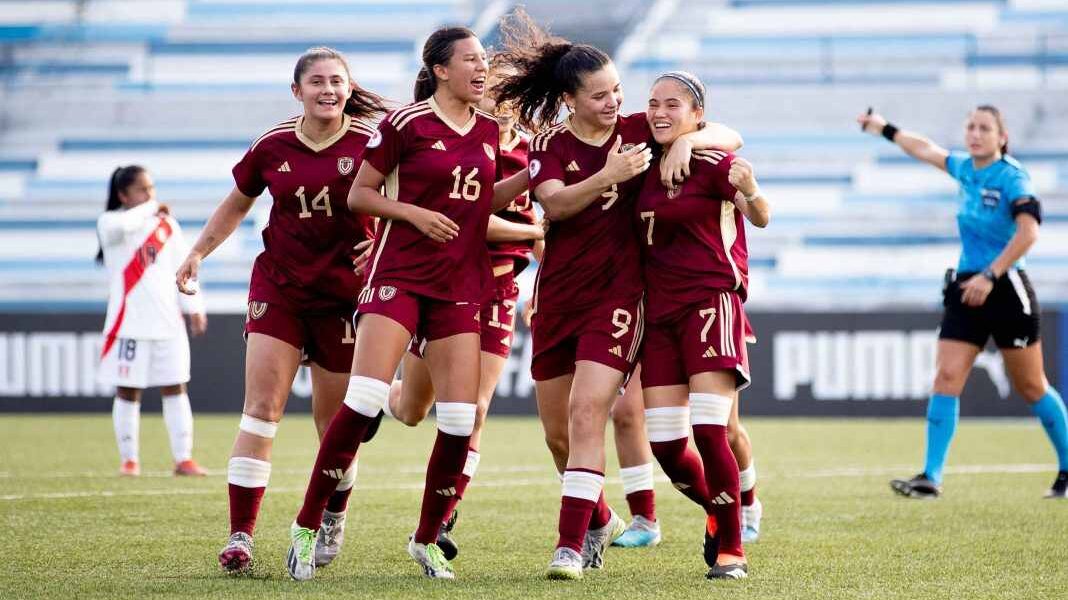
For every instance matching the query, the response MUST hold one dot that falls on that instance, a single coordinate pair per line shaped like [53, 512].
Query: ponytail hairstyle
[361, 103]
[994, 112]
[437, 51]
[544, 67]
[121, 178]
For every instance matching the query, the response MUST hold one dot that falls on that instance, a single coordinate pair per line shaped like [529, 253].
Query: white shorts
[143, 364]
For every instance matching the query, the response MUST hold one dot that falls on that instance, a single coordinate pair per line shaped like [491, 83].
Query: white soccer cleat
[236, 557]
[751, 521]
[598, 540]
[430, 558]
[330, 538]
[300, 559]
[566, 564]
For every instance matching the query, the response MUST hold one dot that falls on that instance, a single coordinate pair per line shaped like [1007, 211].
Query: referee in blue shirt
[988, 294]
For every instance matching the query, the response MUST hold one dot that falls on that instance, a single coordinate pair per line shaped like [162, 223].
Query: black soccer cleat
[735, 571]
[919, 487]
[448, 545]
[1059, 489]
[372, 429]
[711, 549]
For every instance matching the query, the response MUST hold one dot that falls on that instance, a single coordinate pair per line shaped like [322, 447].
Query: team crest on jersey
[345, 164]
[375, 140]
[535, 168]
[489, 151]
[386, 293]
[256, 309]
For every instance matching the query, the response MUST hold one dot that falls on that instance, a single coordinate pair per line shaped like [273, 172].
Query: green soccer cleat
[431, 559]
[300, 560]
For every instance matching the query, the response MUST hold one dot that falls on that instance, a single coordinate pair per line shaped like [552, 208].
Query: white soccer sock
[126, 416]
[178, 416]
[456, 418]
[472, 463]
[637, 479]
[667, 424]
[710, 409]
[248, 472]
[366, 395]
[582, 484]
[748, 477]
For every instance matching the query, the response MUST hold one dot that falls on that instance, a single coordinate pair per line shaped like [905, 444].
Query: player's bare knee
[627, 418]
[172, 390]
[409, 415]
[1030, 390]
[264, 409]
[558, 446]
[949, 381]
[129, 394]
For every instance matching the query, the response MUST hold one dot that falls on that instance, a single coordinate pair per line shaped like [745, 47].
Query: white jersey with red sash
[142, 252]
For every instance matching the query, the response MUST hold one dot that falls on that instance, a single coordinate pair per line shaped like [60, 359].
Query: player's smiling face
[671, 111]
[983, 136]
[466, 72]
[140, 191]
[599, 98]
[324, 88]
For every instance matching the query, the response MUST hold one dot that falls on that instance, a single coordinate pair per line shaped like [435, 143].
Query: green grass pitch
[832, 528]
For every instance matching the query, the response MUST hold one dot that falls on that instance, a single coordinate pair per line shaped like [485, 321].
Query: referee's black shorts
[1010, 313]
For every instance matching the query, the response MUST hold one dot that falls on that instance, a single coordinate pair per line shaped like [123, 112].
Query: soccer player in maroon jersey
[513, 234]
[427, 276]
[694, 358]
[303, 287]
[588, 312]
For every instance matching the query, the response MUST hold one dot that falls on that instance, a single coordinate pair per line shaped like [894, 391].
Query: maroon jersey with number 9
[693, 237]
[447, 168]
[309, 238]
[592, 256]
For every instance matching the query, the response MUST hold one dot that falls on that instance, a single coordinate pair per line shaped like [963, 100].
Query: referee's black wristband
[889, 131]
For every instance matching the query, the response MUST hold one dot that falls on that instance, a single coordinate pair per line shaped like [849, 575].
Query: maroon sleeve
[719, 182]
[545, 164]
[384, 148]
[247, 173]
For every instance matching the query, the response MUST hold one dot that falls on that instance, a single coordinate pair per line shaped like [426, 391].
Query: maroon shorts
[320, 328]
[427, 319]
[703, 338]
[610, 334]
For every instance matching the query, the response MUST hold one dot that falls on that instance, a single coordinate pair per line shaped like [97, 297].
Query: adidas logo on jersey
[573, 167]
[710, 353]
[617, 350]
[334, 473]
[448, 492]
[285, 168]
[723, 498]
[438, 145]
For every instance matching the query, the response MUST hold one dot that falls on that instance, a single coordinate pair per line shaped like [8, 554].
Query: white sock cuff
[183, 397]
[385, 405]
[748, 477]
[456, 418]
[472, 463]
[264, 429]
[126, 405]
[349, 479]
[710, 409]
[667, 423]
[366, 395]
[636, 479]
[248, 472]
[583, 484]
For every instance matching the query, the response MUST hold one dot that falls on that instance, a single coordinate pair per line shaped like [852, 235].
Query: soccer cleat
[566, 564]
[372, 429]
[445, 542]
[300, 561]
[711, 547]
[430, 557]
[329, 539]
[751, 521]
[1060, 486]
[598, 540]
[734, 571]
[236, 557]
[641, 533]
[130, 468]
[919, 487]
[189, 468]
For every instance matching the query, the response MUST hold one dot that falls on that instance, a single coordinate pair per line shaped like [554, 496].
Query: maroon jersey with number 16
[309, 238]
[693, 237]
[511, 160]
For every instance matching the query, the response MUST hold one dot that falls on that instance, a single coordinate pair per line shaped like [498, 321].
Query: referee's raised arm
[914, 144]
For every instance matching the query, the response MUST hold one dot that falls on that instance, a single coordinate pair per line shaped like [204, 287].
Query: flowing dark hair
[361, 103]
[437, 51]
[544, 67]
[121, 178]
[994, 112]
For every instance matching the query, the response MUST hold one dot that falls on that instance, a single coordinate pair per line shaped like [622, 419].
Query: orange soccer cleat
[130, 468]
[189, 468]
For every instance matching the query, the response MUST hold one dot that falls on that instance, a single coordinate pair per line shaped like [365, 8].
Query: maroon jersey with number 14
[592, 257]
[511, 160]
[309, 238]
[444, 167]
[693, 237]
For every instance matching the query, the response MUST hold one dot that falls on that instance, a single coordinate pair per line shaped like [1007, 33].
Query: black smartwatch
[989, 274]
